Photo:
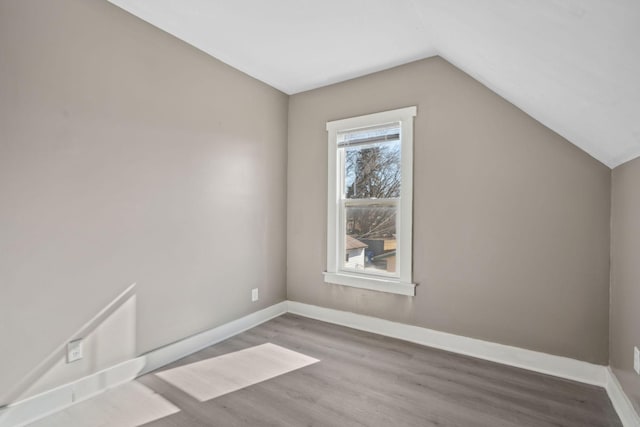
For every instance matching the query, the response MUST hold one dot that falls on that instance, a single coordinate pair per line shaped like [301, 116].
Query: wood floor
[364, 379]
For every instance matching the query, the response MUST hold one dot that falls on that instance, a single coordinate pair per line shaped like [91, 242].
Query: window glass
[372, 171]
[370, 239]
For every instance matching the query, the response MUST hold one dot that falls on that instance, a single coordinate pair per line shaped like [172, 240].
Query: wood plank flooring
[364, 379]
[217, 376]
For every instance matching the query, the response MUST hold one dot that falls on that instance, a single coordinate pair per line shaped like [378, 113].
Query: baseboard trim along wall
[558, 366]
[29, 410]
[170, 353]
[621, 402]
[36, 407]
[59, 398]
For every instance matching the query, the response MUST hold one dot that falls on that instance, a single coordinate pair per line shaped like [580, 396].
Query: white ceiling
[574, 65]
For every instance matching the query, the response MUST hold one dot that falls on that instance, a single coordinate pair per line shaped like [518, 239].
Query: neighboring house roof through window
[353, 243]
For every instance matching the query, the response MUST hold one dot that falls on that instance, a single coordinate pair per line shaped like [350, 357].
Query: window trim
[398, 285]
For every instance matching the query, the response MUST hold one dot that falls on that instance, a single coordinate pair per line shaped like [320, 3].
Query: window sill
[392, 286]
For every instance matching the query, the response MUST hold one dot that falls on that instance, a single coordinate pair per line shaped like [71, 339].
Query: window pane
[372, 171]
[370, 240]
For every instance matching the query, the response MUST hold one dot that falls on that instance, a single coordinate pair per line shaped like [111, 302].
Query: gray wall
[511, 221]
[129, 156]
[625, 276]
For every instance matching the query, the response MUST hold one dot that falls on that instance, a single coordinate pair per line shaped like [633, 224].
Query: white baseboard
[170, 353]
[29, 410]
[621, 402]
[558, 366]
[36, 407]
[59, 398]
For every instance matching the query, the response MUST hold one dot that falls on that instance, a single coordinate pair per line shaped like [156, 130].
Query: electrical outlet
[74, 351]
[254, 294]
[636, 360]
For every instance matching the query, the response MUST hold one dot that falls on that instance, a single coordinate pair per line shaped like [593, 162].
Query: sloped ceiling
[574, 65]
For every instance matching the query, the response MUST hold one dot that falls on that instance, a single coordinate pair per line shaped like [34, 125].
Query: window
[370, 201]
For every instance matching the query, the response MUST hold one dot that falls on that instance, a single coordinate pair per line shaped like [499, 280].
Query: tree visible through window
[373, 171]
[372, 179]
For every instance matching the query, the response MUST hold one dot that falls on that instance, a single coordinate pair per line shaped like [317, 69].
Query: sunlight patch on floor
[210, 378]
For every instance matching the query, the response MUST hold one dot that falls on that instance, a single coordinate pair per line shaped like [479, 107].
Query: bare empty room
[305, 213]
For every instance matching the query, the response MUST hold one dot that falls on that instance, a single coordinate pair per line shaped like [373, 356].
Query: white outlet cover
[74, 351]
[636, 360]
[254, 294]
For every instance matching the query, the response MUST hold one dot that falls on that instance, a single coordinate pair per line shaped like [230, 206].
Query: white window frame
[335, 274]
